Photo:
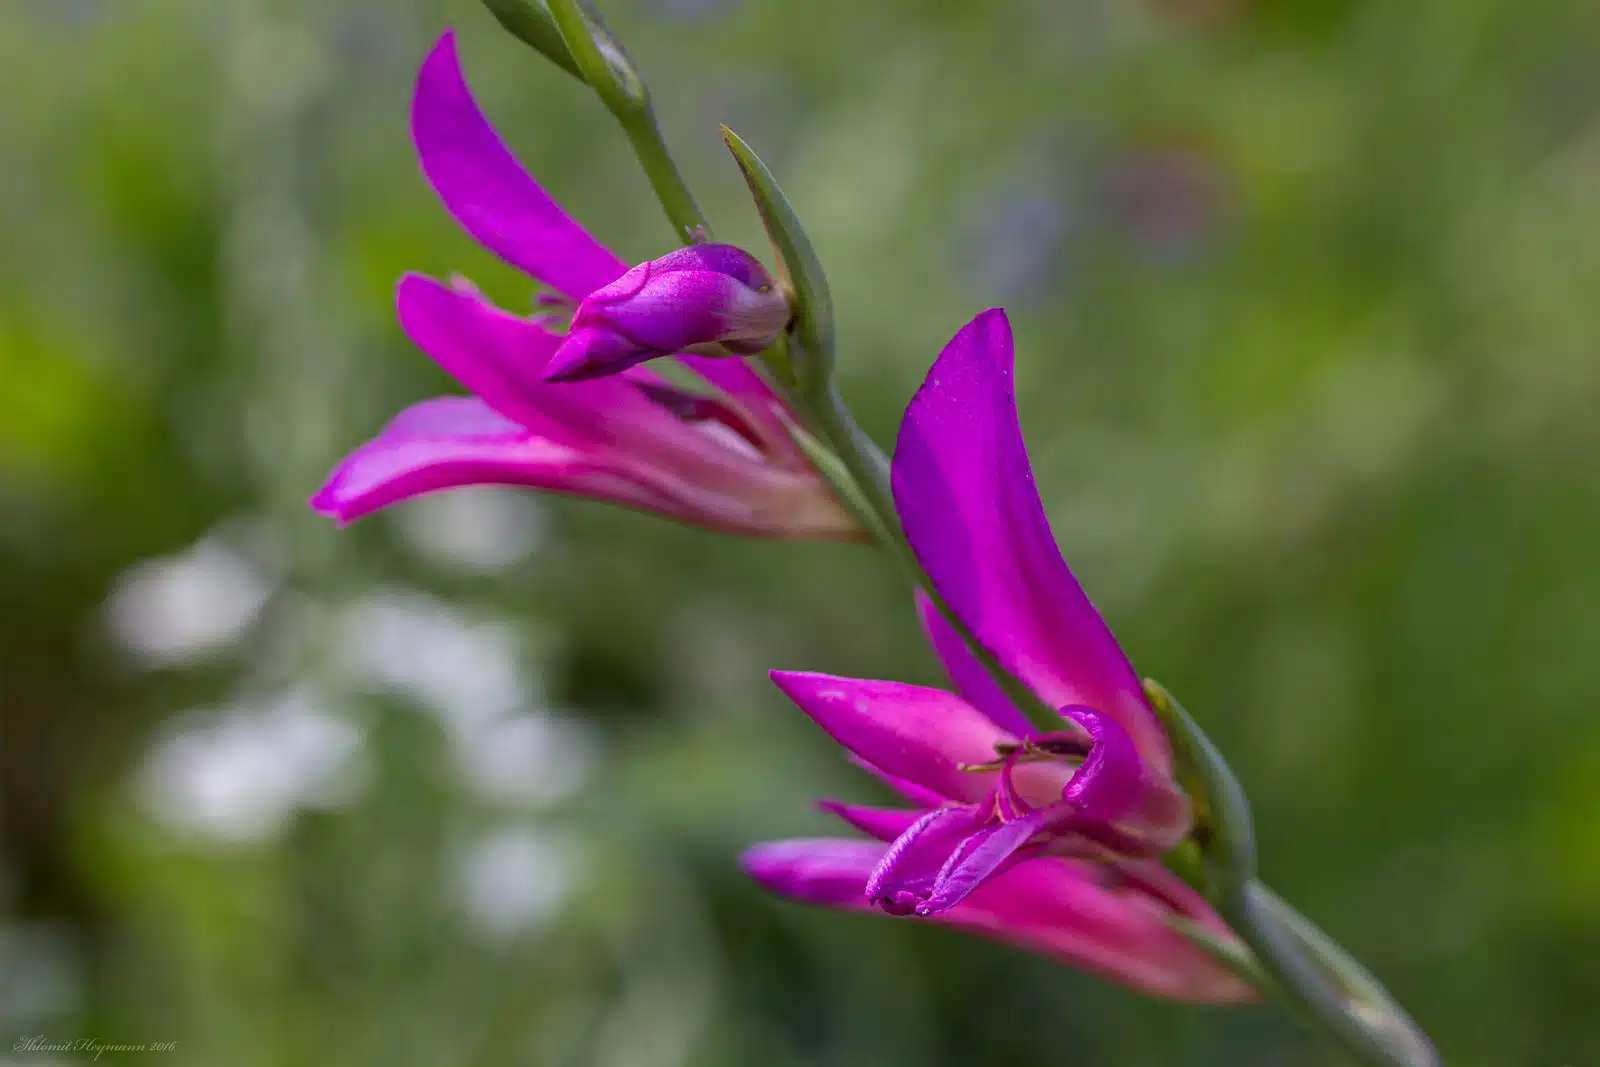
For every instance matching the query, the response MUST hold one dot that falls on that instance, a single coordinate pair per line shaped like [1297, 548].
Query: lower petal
[827, 871]
[908, 873]
[980, 857]
[452, 442]
[1062, 909]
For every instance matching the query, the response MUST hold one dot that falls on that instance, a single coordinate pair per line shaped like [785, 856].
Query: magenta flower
[720, 458]
[993, 791]
[704, 296]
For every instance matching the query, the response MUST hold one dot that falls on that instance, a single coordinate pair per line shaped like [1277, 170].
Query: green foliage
[1304, 297]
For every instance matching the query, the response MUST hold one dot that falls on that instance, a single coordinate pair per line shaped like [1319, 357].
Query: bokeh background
[1307, 294]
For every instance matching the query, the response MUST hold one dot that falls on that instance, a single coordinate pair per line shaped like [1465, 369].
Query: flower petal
[979, 857]
[459, 441]
[501, 357]
[922, 798]
[1109, 783]
[908, 872]
[1113, 787]
[921, 735]
[1071, 910]
[972, 679]
[885, 824]
[966, 497]
[827, 871]
[488, 191]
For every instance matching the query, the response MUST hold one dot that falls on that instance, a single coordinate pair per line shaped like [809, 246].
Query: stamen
[1064, 745]
[1009, 801]
[1056, 748]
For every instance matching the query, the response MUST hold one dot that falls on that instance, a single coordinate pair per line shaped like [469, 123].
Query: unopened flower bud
[710, 298]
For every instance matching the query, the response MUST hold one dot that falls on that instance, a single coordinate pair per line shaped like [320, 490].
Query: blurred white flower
[180, 608]
[514, 880]
[486, 528]
[241, 772]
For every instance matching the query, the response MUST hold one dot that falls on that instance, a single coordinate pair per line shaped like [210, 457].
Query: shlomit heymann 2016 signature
[91, 1047]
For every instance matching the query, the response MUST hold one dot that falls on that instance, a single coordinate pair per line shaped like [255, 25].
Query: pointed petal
[921, 735]
[908, 872]
[459, 441]
[972, 679]
[490, 352]
[922, 798]
[487, 190]
[980, 857]
[885, 824]
[828, 871]
[501, 357]
[966, 496]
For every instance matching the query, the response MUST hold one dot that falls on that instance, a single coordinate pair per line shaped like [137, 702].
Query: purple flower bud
[689, 300]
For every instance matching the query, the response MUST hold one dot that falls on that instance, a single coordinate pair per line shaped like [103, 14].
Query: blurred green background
[1307, 296]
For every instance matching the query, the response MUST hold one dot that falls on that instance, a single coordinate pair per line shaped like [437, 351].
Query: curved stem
[1362, 1016]
[1333, 994]
[605, 65]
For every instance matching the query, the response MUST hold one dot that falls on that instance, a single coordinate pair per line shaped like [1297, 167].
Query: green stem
[689, 223]
[1342, 999]
[860, 455]
[1330, 992]
[608, 70]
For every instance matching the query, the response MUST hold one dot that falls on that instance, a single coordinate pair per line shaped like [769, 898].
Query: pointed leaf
[798, 267]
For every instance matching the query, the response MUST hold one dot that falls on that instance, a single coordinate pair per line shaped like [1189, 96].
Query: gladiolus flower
[720, 456]
[994, 791]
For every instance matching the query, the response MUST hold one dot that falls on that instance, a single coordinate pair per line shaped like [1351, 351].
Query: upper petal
[921, 735]
[966, 497]
[501, 357]
[487, 190]
[492, 353]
